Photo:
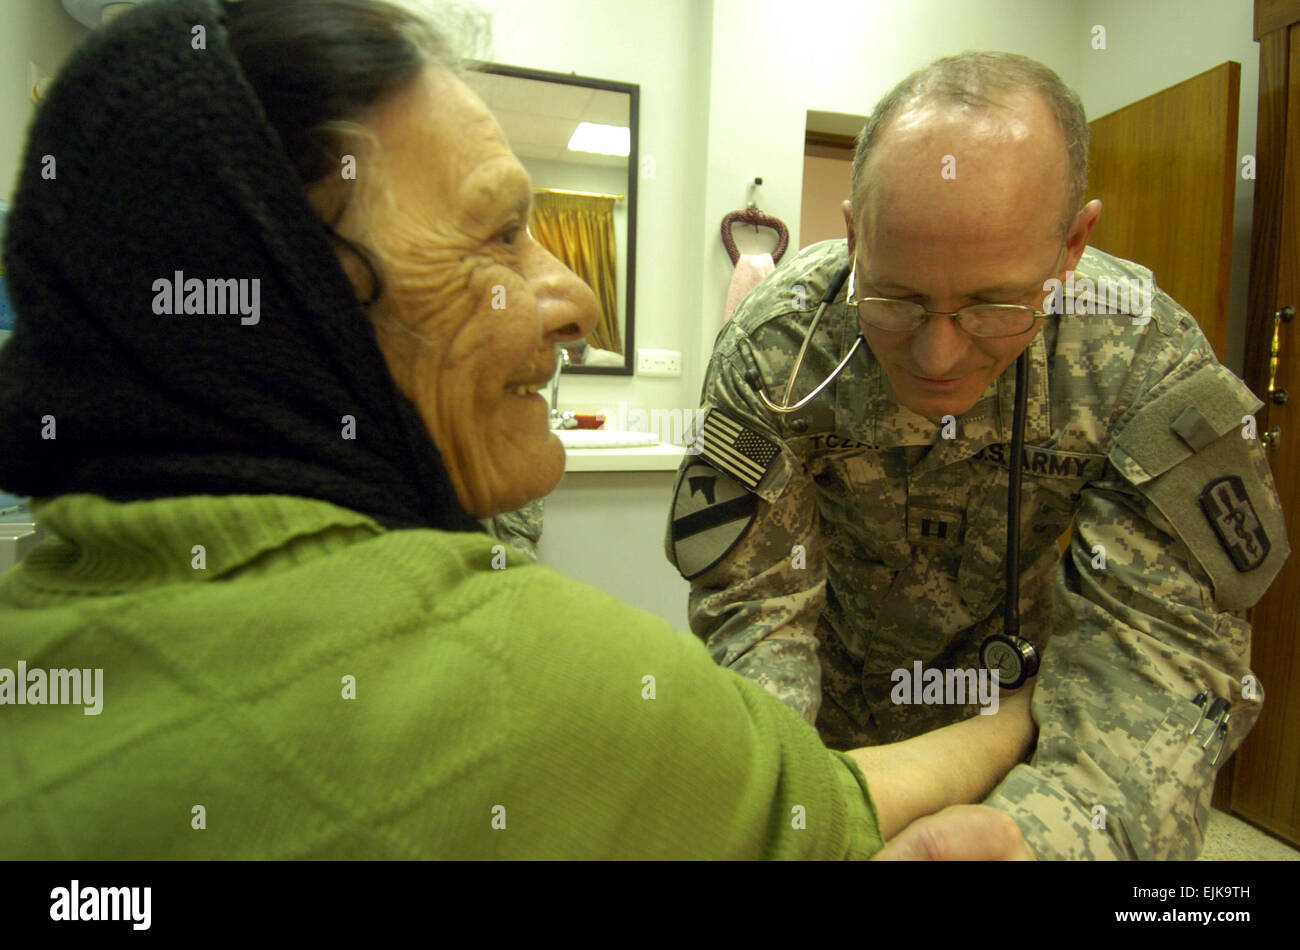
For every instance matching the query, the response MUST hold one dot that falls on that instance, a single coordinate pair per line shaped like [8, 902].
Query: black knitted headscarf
[150, 157]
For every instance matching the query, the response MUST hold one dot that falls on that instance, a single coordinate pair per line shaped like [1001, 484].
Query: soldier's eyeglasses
[987, 321]
[990, 321]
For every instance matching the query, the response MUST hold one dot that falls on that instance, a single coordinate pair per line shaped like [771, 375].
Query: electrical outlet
[658, 363]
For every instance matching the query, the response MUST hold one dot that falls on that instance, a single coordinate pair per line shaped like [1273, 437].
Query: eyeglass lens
[901, 316]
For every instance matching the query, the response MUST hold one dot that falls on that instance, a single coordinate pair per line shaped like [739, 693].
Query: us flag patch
[1233, 519]
[732, 448]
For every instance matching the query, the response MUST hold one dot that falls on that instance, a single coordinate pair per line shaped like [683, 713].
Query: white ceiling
[540, 117]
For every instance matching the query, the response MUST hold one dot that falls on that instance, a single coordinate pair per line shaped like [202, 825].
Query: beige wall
[825, 186]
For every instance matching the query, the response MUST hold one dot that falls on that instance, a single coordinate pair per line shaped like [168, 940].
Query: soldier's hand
[959, 833]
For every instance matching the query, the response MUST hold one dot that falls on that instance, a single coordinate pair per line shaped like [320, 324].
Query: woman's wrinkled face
[445, 209]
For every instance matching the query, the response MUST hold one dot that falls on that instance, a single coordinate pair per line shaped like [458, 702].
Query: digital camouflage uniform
[521, 529]
[876, 542]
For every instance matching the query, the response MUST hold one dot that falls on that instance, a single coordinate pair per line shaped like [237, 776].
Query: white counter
[655, 458]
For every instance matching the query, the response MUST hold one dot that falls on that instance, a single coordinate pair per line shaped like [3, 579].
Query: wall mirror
[577, 137]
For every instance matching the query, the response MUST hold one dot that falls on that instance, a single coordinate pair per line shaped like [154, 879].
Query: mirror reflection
[577, 138]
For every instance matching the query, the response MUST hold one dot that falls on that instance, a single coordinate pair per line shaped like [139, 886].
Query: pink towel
[750, 269]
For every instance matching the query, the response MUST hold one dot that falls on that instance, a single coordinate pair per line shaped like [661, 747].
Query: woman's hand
[1019, 699]
[959, 833]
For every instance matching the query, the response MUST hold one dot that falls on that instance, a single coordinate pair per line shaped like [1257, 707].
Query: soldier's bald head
[973, 171]
[978, 97]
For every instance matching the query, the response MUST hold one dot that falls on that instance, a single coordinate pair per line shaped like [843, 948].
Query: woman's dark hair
[317, 63]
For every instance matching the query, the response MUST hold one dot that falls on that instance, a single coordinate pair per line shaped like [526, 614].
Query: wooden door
[1164, 168]
[1266, 769]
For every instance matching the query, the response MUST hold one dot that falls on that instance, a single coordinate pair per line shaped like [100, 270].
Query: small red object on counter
[589, 421]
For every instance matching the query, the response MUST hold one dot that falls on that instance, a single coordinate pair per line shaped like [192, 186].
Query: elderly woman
[280, 330]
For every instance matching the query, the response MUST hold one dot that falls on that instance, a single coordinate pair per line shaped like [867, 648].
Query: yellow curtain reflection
[579, 230]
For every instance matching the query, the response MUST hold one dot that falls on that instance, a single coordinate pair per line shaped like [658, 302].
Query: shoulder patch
[1233, 519]
[711, 513]
[1222, 503]
[736, 449]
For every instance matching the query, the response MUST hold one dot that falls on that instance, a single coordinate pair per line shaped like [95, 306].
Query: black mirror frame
[633, 163]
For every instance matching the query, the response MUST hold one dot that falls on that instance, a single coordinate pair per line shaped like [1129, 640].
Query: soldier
[839, 550]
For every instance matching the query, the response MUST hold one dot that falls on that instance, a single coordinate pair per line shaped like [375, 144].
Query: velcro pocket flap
[1180, 422]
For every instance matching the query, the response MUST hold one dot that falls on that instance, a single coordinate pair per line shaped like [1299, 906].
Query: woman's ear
[329, 198]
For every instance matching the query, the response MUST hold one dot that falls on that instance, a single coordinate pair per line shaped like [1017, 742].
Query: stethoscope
[1014, 658]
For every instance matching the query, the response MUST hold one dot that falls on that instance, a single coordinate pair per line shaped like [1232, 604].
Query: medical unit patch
[1233, 519]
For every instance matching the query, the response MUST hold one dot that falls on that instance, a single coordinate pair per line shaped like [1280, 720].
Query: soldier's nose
[939, 347]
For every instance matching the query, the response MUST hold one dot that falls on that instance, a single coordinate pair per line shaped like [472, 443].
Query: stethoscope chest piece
[1014, 658]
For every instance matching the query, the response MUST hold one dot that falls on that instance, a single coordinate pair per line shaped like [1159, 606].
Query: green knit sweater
[284, 678]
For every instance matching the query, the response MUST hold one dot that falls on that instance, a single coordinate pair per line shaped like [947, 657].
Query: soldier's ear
[847, 207]
[1077, 240]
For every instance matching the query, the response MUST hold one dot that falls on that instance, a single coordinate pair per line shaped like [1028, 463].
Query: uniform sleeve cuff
[1055, 825]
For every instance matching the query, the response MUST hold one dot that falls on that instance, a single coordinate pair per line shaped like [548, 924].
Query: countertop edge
[653, 458]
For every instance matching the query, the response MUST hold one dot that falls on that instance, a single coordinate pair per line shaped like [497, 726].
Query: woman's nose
[566, 305]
